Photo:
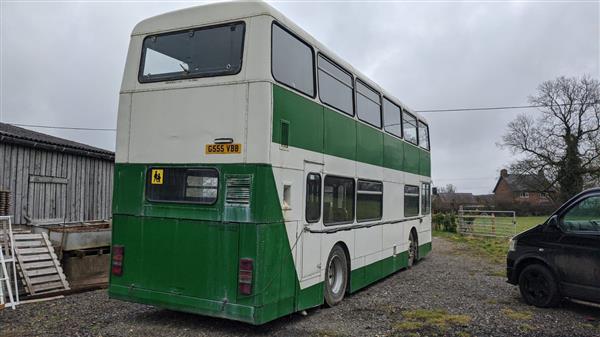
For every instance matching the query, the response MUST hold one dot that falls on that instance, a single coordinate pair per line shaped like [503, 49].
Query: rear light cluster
[245, 276]
[118, 253]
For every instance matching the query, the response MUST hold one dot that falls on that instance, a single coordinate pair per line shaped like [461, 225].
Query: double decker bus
[257, 174]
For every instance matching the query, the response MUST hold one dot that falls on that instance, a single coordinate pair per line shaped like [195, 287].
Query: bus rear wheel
[336, 276]
[413, 249]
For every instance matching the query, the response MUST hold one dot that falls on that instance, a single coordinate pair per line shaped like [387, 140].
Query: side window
[338, 200]
[369, 200]
[292, 61]
[392, 118]
[425, 199]
[409, 126]
[335, 86]
[411, 200]
[423, 135]
[368, 104]
[313, 197]
[583, 217]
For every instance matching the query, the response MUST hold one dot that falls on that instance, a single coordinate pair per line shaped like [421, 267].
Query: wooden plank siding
[49, 184]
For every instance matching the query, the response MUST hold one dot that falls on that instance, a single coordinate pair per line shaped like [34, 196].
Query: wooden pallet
[40, 268]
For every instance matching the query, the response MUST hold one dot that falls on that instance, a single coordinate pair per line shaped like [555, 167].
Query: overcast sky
[62, 64]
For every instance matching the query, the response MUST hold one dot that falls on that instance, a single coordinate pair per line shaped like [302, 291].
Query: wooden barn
[54, 180]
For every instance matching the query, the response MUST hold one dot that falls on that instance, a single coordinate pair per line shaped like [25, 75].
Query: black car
[560, 258]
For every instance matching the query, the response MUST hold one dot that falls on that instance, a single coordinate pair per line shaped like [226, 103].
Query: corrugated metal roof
[8, 131]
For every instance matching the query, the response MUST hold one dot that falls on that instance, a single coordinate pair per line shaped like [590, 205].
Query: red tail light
[118, 253]
[245, 276]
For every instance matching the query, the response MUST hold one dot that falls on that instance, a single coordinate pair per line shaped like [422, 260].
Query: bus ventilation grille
[238, 190]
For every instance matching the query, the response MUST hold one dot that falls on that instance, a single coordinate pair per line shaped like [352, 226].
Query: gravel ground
[450, 293]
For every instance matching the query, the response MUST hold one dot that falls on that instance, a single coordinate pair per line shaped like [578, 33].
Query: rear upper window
[292, 61]
[178, 184]
[201, 52]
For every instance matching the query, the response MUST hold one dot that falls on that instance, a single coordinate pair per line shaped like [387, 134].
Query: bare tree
[449, 188]
[563, 144]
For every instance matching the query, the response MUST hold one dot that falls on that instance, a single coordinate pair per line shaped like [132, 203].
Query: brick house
[519, 190]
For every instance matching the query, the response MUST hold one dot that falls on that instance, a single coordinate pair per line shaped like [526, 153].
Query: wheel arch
[529, 260]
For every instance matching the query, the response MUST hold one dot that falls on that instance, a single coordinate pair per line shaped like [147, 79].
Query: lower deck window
[338, 200]
[176, 184]
[369, 200]
[313, 197]
[425, 199]
[411, 200]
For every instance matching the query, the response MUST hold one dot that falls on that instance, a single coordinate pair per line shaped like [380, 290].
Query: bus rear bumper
[178, 302]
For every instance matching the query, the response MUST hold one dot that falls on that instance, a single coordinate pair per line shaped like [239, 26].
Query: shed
[54, 179]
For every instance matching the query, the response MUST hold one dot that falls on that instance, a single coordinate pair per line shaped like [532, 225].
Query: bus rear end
[197, 225]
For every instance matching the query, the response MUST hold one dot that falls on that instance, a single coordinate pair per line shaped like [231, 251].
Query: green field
[526, 222]
[493, 249]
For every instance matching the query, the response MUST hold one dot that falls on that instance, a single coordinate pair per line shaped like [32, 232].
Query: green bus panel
[425, 164]
[393, 153]
[317, 128]
[369, 145]
[411, 158]
[340, 135]
[305, 119]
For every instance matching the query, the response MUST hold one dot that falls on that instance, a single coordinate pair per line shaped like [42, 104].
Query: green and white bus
[257, 174]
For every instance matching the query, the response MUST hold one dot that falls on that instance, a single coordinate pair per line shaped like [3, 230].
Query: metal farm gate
[486, 222]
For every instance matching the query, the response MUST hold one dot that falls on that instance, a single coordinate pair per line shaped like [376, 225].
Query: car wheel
[538, 286]
[336, 276]
[413, 249]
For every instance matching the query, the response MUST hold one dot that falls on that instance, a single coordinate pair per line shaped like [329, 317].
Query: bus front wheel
[336, 276]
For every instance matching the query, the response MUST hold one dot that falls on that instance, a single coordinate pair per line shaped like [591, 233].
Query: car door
[578, 262]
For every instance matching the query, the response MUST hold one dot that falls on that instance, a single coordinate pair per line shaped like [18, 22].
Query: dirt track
[450, 293]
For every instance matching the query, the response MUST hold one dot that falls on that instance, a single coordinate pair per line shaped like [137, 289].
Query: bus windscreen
[203, 52]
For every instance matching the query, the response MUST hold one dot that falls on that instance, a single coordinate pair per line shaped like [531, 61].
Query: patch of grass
[526, 327]
[526, 222]
[517, 315]
[434, 321]
[329, 333]
[494, 249]
[491, 248]
[463, 334]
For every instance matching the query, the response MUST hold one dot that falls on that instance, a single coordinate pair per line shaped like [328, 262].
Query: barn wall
[80, 190]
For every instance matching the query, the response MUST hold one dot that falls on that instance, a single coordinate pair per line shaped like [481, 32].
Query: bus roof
[228, 11]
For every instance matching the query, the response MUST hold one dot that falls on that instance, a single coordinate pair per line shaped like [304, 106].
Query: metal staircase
[9, 292]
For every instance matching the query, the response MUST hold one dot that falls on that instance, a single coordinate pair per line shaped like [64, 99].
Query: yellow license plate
[223, 148]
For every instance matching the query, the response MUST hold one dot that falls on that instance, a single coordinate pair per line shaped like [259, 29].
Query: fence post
[494, 223]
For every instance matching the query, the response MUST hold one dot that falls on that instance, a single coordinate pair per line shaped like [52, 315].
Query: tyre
[538, 286]
[413, 249]
[336, 276]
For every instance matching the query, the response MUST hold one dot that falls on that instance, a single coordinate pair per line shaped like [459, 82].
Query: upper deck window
[423, 135]
[203, 52]
[409, 126]
[335, 86]
[368, 104]
[292, 61]
[392, 118]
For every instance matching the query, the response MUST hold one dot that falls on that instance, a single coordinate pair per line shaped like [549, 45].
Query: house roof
[17, 135]
[456, 198]
[525, 182]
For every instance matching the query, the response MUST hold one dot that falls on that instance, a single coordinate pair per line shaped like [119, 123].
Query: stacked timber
[4, 202]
